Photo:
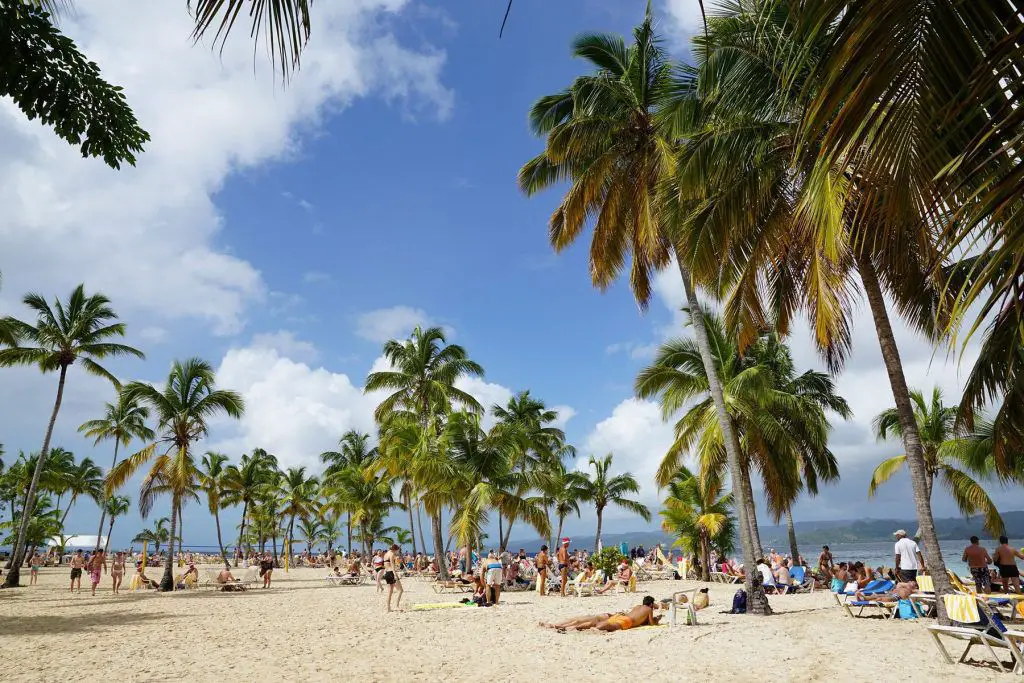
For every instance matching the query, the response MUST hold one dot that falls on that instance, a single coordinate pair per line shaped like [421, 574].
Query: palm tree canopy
[123, 422]
[697, 508]
[77, 330]
[605, 489]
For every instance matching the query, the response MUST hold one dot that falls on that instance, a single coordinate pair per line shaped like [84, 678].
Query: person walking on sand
[77, 565]
[978, 560]
[1005, 560]
[494, 575]
[825, 562]
[541, 563]
[117, 571]
[267, 569]
[97, 562]
[563, 563]
[392, 564]
[34, 569]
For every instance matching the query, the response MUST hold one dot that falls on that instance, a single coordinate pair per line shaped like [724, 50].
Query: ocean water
[881, 553]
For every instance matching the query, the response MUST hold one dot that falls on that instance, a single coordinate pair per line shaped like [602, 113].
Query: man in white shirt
[908, 557]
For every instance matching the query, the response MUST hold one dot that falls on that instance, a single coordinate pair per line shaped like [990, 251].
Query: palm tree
[159, 534]
[121, 423]
[213, 481]
[566, 490]
[773, 214]
[188, 400]
[603, 490]
[78, 330]
[699, 515]
[354, 451]
[297, 497]
[85, 479]
[421, 389]
[609, 135]
[330, 532]
[246, 482]
[115, 506]
[949, 458]
[311, 530]
[367, 494]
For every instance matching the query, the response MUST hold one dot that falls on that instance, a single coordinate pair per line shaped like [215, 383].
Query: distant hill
[831, 531]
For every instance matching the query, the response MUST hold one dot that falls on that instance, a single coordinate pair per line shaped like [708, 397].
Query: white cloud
[313, 277]
[390, 323]
[285, 344]
[684, 19]
[153, 334]
[147, 236]
[487, 393]
[638, 439]
[565, 413]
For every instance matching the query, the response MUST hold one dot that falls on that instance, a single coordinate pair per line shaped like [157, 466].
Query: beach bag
[739, 602]
[906, 609]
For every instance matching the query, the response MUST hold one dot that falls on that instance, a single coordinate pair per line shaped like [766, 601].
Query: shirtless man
[1005, 560]
[97, 562]
[563, 564]
[392, 563]
[229, 582]
[825, 562]
[541, 561]
[77, 565]
[978, 560]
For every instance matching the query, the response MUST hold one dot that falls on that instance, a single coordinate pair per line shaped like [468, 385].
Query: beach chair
[581, 587]
[878, 587]
[640, 572]
[1013, 602]
[677, 607]
[333, 579]
[978, 625]
[801, 582]
[451, 587]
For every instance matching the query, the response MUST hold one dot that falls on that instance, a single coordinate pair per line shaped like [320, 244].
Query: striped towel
[925, 583]
[962, 608]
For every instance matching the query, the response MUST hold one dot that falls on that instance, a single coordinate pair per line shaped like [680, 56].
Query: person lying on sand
[641, 615]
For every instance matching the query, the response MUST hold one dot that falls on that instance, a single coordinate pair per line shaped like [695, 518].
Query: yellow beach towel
[441, 605]
[925, 583]
[962, 608]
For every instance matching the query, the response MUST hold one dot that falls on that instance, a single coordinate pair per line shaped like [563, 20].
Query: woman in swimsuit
[117, 571]
[34, 575]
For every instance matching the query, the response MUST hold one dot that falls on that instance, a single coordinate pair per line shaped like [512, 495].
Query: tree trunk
[561, 521]
[110, 530]
[442, 563]
[349, 524]
[750, 506]
[220, 542]
[732, 445]
[167, 582]
[419, 523]
[412, 526]
[241, 530]
[501, 527]
[911, 438]
[273, 541]
[11, 580]
[503, 541]
[103, 508]
[181, 530]
[791, 530]
[597, 539]
[705, 558]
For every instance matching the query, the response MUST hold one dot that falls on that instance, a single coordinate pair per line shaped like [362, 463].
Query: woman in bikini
[34, 575]
[117, 571]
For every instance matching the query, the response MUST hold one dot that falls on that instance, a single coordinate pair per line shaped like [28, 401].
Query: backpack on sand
[739, 602]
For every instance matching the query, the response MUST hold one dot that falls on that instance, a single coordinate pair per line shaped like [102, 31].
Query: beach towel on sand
[441, 605]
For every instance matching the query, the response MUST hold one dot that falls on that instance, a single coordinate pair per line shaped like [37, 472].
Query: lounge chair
[345, 579]
[452, 587]
[801, 582]
[877, 587]
[211, 581]
[581, 587]
[979, 625]
[686, 608]
[726, 577]
[1012, 601]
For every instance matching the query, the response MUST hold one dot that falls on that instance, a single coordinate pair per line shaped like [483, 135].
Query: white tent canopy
[78, 541]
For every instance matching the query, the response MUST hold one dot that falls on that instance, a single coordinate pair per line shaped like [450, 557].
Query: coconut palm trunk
[167, 582]
[732, 446]
[911, 437]
[103, 508]
[750, 507]
[705, 557]
[435, 528]
[794, 551]
[561, 522]
[110, 530]
[412, 525]
[11, 581]
[349, 525]
[597, 538]
[419, 522]
[181, 530]
[241, 530]
[220, 542]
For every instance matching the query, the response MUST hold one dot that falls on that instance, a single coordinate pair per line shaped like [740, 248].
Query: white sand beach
[302, 629]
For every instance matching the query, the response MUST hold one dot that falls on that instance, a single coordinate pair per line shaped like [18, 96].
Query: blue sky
[284, 233]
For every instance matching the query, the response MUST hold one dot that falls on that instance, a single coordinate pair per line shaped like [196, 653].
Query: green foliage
[48, 78]
[607, 561]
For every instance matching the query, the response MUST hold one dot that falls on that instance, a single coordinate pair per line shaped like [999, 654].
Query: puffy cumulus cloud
[147, 236]
[487, 393]
[565, 413]
[637, 437]
[286, 344]
[390, 323]
[293, 410]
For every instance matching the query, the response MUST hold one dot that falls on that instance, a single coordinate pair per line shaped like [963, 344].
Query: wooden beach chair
[978, 625]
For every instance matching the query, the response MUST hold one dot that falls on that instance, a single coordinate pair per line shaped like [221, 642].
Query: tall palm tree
[246, 483]
[115, 506]
[566, 490]
[311, 530]
[772, 214]
[122, 422]
[86, 478]
[608, 135]
[699, 515]
[158, 535]
[421, 388]
[182, 409]
[950, 459]
[353, 450]
[213, 476]
[78, 330]
[604, 489]
[297, 497]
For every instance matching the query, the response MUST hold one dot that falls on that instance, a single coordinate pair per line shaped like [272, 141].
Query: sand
[302, 629]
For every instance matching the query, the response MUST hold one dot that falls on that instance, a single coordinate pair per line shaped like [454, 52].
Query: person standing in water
[392, 564]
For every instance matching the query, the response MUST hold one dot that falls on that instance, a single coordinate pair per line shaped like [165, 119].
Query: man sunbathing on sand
[641, 615]
[902, 591]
